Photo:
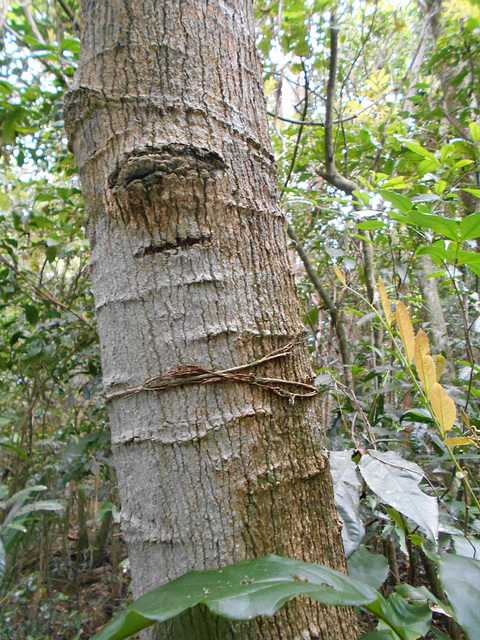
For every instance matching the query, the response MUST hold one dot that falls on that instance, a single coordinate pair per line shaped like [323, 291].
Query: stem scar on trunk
[166, 191]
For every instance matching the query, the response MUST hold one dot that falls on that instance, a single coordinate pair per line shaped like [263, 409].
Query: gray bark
[167, 121]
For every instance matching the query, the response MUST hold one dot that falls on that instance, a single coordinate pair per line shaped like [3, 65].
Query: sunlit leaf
[340, 274]
[474, 131]
[443, 407]
[459, 441]
[402, 203]
[385, 302]
[440, 365]
[424, 362]
[470, 227]
[405, 330]
[418, 149]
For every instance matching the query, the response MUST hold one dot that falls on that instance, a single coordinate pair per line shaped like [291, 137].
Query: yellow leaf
[424, 362]
[422, 346]
[443, 407]
[455, 442]
[465, 419]
[405, 329]
[426, 373]
[440, 364]
[340, 274]
[385, 302]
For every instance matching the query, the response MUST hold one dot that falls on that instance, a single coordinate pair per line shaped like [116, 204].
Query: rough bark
[167, 121]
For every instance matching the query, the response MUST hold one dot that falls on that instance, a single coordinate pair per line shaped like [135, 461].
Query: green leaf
[439, 253]
[475, 192]
[371, 224]
[402, 203]
[474, 131]
[460, 579]
[410, 619]
[41, 505]
[470, 227]
[462, 163]
[468, 547]
[23, 494]
[31, 313]
[418, 149]
[347, 487]
[379, 635]
[370, 568]
[445, 226]
[426, 166]
[240, 592]
[395, 481]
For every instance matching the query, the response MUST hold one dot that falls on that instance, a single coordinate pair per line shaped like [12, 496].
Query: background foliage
[376, 130]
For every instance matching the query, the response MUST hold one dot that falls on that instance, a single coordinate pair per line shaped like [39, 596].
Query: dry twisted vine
[192, 374]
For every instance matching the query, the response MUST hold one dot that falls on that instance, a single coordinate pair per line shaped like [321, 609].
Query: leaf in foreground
[460, 578]
[240, 592]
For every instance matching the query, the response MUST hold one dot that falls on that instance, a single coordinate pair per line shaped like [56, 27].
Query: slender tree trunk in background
[437, 327]
[167, 121]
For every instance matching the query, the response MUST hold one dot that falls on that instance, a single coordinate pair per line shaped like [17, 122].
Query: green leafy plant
[261, 586]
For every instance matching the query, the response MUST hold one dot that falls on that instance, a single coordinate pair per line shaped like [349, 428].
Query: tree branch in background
[330, 307]
[33, 25]
[45, 294]
[70, 14]
[332, 175]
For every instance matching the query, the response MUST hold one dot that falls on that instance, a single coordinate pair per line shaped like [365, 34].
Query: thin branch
[70, 14]
[300, 131]
[45, 294]
[33, 25]
[330, 307]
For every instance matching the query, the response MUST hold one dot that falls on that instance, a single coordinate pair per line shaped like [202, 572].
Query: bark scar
[151, 164]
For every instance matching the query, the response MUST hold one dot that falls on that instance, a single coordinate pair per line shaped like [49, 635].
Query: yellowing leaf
[443, 407]
[422, 345]
[440, 364]
[465, 417]
[426, 373]
[424, 362]
[385, 302]
[405, 329]
[456, 442]
[340, 274]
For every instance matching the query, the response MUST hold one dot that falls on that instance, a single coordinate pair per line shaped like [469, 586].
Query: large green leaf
[369, 568]
[347, 487]
[470, 227]
[447, 227]
[411, 620]
[395, 481]
[241, 592]
[460, 579]
[402, 203]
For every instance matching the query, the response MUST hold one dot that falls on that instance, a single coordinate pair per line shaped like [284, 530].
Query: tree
[217, 438]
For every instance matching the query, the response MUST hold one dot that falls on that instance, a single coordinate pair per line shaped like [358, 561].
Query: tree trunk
[189, 266]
